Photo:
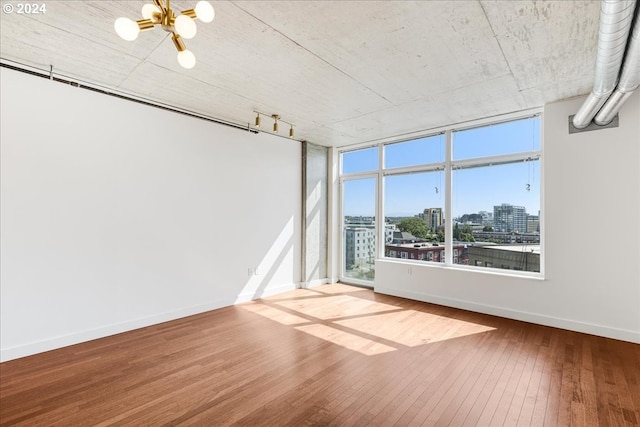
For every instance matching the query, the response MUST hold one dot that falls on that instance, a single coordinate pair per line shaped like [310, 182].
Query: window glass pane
[360, 160]
[496, 214]
[504, 138]
[416, 152]
[414, 216]
[359, 238]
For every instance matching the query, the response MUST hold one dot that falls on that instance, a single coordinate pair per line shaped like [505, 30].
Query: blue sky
[474, 189]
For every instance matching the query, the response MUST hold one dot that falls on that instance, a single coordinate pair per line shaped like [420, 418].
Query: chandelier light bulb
[180, 26]
[126, 28]
[187, 59]
[185, 26]
[148, 10]
[204, 11]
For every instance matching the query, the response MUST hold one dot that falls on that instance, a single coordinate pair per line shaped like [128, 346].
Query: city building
[432, 252]
[433, 218]
[506, 237]
[359, 244]
[511, 257]
[509, 218]
[487, 217]
[359, 247]
[533, 223]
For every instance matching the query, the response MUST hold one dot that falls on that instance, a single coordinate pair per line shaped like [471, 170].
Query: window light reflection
[359, 324]
[345, 339]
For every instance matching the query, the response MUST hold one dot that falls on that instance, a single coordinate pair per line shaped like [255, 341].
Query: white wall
[592, 229]
[116, 215]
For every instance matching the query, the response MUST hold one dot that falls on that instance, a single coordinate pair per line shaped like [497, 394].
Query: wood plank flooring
[334, 355]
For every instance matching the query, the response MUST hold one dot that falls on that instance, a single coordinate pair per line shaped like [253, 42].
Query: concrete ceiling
[344, 72]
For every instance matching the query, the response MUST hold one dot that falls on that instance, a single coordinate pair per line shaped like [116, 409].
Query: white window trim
[342, 253]
[448, 166]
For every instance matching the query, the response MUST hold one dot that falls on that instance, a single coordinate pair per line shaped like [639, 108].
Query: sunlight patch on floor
[359, 324]
[274, 314]
[335, 306]
[412, 328]
[293, 295]
[345, 339]
[337, 288]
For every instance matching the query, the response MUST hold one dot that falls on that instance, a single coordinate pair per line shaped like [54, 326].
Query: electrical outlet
[256, 271]
[249, 271]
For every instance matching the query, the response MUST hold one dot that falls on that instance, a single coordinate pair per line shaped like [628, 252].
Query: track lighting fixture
[276, 118]
[181, 26]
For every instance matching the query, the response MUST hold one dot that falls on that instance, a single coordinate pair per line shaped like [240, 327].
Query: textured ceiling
[343, 72]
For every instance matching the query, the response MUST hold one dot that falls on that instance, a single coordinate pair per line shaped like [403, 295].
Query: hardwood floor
[331, 355]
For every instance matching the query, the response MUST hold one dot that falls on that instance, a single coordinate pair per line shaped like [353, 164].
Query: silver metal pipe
[615, 25]
[629, 79]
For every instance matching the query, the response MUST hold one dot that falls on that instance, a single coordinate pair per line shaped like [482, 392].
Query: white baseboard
[117, 328]
[572, 325]
[273, 290]
[317, 282]
[29, 349]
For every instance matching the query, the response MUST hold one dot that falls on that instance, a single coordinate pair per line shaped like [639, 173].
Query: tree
[456, 232]
[415, 226]
[463, 234]
[487, 228]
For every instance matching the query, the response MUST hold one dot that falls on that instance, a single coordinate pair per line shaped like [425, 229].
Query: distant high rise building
[533, 223]
[433, 218]
[509, 218]
[487, 217]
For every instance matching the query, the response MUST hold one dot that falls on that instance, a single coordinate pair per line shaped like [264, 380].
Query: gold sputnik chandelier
[180, 26]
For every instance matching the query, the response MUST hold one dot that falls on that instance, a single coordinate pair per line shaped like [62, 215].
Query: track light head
[276, 119]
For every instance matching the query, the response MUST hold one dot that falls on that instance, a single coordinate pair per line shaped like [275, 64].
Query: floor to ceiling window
[465, 197]
[359, 198]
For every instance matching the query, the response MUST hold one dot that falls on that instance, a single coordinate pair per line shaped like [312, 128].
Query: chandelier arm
[168, 18]
[177, 41]
[160, 6]
[191, 13]
[145, 24]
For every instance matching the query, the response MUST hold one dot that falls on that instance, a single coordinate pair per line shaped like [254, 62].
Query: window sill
[466, 268]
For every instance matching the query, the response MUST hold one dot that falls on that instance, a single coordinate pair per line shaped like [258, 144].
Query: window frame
[342, 253]
[447, 167]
